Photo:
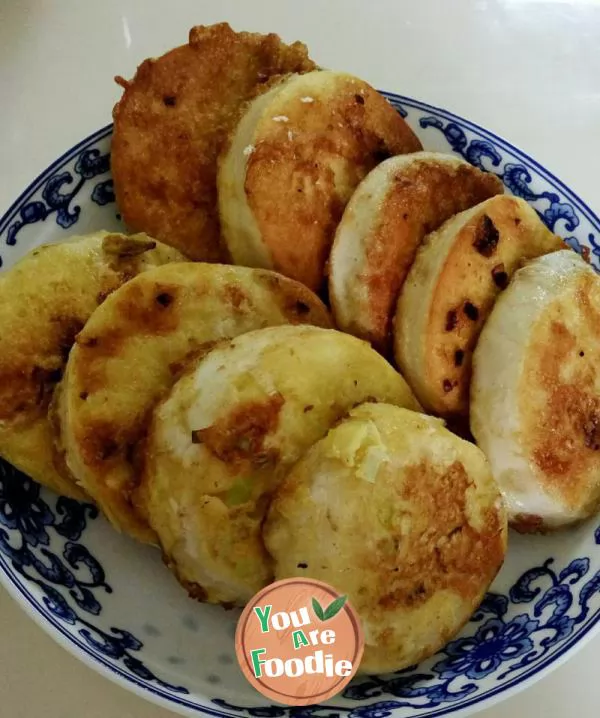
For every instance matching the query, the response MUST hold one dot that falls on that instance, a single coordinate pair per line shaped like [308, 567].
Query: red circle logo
[299, 641]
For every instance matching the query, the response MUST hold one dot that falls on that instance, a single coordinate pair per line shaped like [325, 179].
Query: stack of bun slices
[319, 350]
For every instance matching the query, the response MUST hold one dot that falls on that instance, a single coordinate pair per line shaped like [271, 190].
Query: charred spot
[302, 307]
[500, 276]
[169, 100]
[302, 565]
[581, 353]
[517, 221]
[591, 432]
[83, 395]
[459, 357]
[451, 320]
[308, 407]
[447, 385]
[360, 100]
[471, 311]
[405, 216]
[196, 591]
[486, 237]
[164, 299]
[196, 437]
[528, 523]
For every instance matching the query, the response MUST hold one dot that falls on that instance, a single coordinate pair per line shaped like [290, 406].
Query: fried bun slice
[45, 300]
[402, 516]
[390, 213]
[171, 122]
[228, 432]
[450, 290]
[535, 393]
[292, 164]
[134, 347]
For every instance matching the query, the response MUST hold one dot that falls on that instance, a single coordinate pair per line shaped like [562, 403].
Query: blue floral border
[28, 518]
[497, 641]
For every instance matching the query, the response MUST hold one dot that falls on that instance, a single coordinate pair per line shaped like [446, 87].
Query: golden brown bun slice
[390, 213]
[134, 347]
[450, 290]
[535, 393]
[170, 125]
[405, 518]
[292, 164]
[45, 300]
[228, 432]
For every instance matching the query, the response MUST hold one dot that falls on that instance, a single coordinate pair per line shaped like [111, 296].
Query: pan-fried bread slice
[170, 125]
[228, 432]
[450, 290]
[402, 516]
[390, 213]
[535, 394]
[133, 349]
[45, 300]
[292, 163]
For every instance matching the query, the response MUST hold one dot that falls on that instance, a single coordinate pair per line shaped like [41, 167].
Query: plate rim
[161, 696]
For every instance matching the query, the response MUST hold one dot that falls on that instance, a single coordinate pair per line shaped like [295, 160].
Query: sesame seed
[281, 118]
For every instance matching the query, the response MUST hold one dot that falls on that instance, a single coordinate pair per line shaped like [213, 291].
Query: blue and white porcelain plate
[111, 602]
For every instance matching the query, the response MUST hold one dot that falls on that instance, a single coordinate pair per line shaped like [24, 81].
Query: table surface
[526, 69]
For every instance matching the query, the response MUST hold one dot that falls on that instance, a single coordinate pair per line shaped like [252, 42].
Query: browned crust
[238, 439]
[446, 552]
[293, 185]
[151, 307]
[47, 297]
[486, 253]
[561, 414]
[170, 125]
[432, 533]
[422, 198]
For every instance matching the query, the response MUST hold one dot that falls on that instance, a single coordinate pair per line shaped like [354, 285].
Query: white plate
[112, 603]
